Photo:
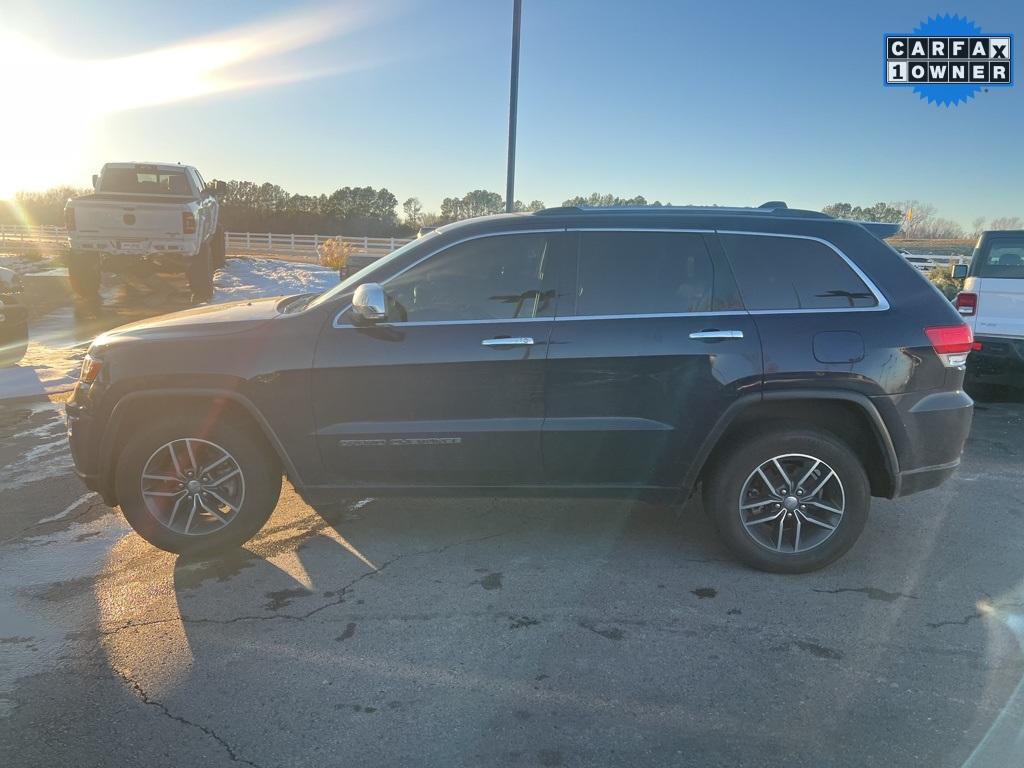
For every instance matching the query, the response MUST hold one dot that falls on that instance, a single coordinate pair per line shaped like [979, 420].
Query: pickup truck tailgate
[1000, 306]
[128, 219]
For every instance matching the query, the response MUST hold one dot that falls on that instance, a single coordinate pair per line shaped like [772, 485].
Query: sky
[684, 102]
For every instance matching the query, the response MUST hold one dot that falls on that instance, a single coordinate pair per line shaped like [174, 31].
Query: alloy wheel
[192, 486]
[792, 503]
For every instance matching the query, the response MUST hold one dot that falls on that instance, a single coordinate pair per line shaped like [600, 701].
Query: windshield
[355, 279]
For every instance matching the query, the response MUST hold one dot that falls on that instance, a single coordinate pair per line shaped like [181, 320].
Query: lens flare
[56, 101]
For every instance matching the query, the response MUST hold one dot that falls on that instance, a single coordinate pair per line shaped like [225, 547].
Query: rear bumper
[135, 248]
[928, 431]
[999, 361]
[915, 480]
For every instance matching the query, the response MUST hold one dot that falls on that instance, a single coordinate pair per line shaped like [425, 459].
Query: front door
[450, 390]
[644, 360]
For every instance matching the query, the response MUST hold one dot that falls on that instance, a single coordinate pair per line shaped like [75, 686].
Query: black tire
[200, 275]
[84, 276]
[218, 249]
[738, 462]
[260, 483]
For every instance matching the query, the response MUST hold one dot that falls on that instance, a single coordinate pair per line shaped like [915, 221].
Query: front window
[502, 277]
[366, 273]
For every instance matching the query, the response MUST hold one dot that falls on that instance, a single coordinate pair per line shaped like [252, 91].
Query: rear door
[650, 348]
[997, 276]
[449, 391]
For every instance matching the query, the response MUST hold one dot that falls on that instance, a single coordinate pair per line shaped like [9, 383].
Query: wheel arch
[225, 403]
[850, 416]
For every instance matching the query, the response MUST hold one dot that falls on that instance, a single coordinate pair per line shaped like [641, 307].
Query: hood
[212, 320]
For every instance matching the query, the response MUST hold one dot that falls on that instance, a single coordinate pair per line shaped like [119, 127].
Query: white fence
[18, 237]
[305, 247]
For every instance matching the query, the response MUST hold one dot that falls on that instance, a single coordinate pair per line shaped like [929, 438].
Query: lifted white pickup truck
[992, 303]
[158, 213]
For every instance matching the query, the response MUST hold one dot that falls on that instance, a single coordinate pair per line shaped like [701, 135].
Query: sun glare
[60, 100]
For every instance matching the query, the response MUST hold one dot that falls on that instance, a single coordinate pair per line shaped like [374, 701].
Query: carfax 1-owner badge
[948, 59]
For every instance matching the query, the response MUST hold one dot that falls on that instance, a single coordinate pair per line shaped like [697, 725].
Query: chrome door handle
[511, 341]
[705, 335]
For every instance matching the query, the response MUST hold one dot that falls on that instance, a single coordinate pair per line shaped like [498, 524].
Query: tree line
[919, 221]
[247, 206]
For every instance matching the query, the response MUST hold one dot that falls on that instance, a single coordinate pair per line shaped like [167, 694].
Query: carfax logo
[948, 59]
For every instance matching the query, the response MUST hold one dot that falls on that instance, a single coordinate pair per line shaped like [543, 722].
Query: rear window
[145, 181]
[779, 273]
[1004, 258]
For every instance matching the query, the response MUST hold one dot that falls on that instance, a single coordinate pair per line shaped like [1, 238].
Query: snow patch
[55, 352]
[255, 278]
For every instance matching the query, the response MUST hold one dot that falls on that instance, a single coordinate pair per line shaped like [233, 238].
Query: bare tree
[977, 226]
[1006, 222]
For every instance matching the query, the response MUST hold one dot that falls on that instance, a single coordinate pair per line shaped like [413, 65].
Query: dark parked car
[13, 319]
[789, 364]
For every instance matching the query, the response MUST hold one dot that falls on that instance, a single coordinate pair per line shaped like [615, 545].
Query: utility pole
[513, 105]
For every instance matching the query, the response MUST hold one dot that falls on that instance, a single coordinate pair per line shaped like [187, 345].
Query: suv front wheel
[187, 487]
[788, 500]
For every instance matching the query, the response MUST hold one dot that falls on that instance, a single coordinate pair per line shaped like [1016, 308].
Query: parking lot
[507, 632]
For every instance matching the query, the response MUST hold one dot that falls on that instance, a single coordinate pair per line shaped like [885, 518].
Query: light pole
[513, 103]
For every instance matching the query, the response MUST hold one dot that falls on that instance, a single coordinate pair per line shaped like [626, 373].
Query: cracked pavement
[508, 632]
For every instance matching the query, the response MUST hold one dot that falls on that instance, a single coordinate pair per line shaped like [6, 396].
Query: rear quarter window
[1001, 257]
[780, 273]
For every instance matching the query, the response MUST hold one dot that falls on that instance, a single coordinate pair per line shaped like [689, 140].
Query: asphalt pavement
[501, 632]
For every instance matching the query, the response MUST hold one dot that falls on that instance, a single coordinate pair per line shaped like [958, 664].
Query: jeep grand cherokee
[788, 364]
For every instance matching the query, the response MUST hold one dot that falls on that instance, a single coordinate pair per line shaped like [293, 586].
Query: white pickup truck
[162, 214]
[992, 303]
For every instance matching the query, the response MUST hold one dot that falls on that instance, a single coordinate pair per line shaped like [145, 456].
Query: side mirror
[369, 303]
[220, 187]
[95, 181]
[959, 271]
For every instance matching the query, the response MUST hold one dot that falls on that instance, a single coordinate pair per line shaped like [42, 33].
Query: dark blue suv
[788, 364]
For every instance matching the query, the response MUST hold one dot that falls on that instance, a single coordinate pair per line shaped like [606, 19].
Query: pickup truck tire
[200, 275]
[218, 249]
[788, 499]
[228, 475]
[84, 276]
[13, 334]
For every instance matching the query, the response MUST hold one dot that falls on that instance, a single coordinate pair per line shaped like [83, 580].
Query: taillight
[951, 343]
[69, 219]
[966, 304]
[188, 223]
[91, 368]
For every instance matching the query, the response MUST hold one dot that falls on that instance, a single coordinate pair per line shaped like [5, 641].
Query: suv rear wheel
[789, 500]
[189, 488]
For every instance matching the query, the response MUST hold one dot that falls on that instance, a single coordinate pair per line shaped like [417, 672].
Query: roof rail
[776, 207]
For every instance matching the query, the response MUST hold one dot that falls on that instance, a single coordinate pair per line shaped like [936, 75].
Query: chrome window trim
[883, 303]
[882, 306]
